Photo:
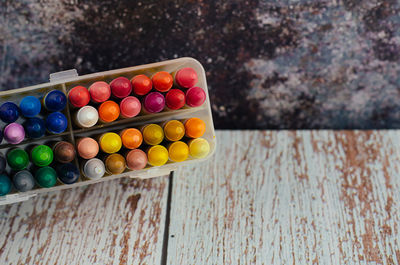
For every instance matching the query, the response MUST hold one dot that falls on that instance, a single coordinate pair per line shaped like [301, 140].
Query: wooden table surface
[266, 197]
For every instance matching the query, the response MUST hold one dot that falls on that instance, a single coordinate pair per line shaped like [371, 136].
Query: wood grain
[114, 222]
[282, 197]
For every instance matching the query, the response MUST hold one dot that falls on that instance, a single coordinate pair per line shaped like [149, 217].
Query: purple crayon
[154, 102]
[14, 133]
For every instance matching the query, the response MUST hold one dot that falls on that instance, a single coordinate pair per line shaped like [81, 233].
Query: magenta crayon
[154, 102]
[9, 112]
[130, 107]
[121, 87]
[185, 77]
[195, 96]
[99, 91]
[14, 133]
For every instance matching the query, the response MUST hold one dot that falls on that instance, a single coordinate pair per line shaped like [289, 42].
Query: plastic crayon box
[65, 81]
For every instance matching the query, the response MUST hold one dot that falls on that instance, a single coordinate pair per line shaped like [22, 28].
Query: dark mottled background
[270, 64]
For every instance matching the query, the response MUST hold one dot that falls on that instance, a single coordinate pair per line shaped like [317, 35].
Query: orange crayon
[194, 128]
[109, 111]
[131, 138]
[162, 81]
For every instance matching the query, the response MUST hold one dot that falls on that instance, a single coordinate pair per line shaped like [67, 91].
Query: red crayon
[100, 91]
[141, 85]
[186, 77]
[175, 99]
[121, 87]
[79, 96]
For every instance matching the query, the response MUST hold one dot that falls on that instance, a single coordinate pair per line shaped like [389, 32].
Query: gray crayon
[23, 180]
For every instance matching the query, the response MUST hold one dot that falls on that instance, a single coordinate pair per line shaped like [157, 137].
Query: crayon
[30, 106]
[55, 100]
[185, 77]
[87, 147]
[130, 107]
[67, 173]
[94, 169]
[109, 111]
[23, 180]
[86, 117]
[3, 163]
[153, 134]
[46, 177]
[35, 127]
[79, 96]
[64, 152]
[199, 148]
[174, 130]
[131, 138]
[194, 128]
[110, 143]
[5, 184]
[195, 96]
[42, 155]
[136, 159]
[175, 99]
[17, 159]
[178, 151]
[56, 122]
[157, 155]
[121, 87]
[115, 164]
[141, 85]
[9, 112]
[162, 81]
[99, 91]
[154, 102]
[14, 133]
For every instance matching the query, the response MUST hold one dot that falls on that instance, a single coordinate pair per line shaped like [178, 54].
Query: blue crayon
[67, 173]
[55, 100]
[35, 127]
[9, 112]
[23, 180]
[56, 122]
[30, 106]
[5, 184]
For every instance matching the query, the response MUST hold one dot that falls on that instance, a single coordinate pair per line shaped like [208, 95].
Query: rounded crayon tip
[23, 181]
[100, 91]
[46, 177]
[131, 138]
[5, 184]
[87, 147]
[55, 100]
[94, 169]
[174, 130]
[115, 164]
[9, 112]
[56, 122]
[162, 81]
[130, 107]
[175, 99]
[141, 85]
[64, 152]
[178, 151]
[42, 155]
[157, 155]
[35, 127]
[121, 87]
[14, 133]
[136, 159]
[153, 134]
[194, 128]
[17, 159]
[67, 173]
[199, 148]
[154, 102]
[79, 96]
[110, 143]
[109, 111]
[86, 117]
[195, 96]
[186, 77]
[30, 106]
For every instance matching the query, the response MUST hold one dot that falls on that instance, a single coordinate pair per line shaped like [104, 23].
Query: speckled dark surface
[270, 64]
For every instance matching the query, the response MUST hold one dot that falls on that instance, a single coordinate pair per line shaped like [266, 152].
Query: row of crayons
[42, 156]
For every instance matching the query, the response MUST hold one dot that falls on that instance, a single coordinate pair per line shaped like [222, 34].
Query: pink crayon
[14, 133]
